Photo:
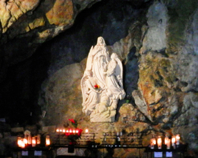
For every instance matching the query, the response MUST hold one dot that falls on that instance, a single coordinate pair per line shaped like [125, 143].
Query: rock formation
[156, 42]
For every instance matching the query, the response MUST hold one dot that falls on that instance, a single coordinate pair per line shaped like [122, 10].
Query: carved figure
[101, 84]
[114, 81]
[91, 94]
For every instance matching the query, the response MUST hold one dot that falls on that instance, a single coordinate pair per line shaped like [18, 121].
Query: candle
[38, 139]
[86, 130]
[57, 130]
[25, 141]
[33, 141]
[159, 142]
[167, 142]
[173, 142]
[29, 140]
[74, 131]
[19, 141]
[63, 130]
[47, 140]
[177, 139]
[153, 143]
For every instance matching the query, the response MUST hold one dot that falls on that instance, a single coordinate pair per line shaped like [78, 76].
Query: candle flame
[86, 130]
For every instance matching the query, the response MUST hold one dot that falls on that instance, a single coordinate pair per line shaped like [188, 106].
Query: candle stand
[166, 148]
[64, 142]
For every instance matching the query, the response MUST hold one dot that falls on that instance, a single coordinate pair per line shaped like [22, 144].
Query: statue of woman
[97, 61]
[101, 84]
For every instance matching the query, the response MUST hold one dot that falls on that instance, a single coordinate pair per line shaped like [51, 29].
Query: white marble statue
[102, 84]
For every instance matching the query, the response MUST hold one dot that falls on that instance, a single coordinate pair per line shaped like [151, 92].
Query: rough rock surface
[31, 23]
[157, 42]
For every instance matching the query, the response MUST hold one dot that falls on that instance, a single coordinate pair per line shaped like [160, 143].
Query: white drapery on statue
[102, 83]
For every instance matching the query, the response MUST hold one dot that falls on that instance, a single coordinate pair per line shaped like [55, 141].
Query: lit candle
[177, 139]
[86, 130]
[153, 143]
[74, 131]
[77, 131]
[29, 140]
[38, 139]
[33, 141]
[70, 131]
[47, 140]
[57, 130]
[67, 132]
[173, 142]
[22, 144]
[25, 141]
[63, 130]
[19, 140]
[159, 142]
[167, 142]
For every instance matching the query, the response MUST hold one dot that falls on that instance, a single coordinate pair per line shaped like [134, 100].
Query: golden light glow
[47, 140]
[86, 130]
[33, 141]
[159, 142]
[167, 142]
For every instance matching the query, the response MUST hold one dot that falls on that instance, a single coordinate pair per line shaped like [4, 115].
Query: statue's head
[101, 41]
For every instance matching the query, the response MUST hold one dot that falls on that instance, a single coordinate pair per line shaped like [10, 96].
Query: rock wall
[157, 42]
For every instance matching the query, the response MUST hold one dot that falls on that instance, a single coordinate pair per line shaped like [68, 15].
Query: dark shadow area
[20, 90]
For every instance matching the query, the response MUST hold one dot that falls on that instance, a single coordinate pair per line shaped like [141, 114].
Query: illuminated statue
[101, 84]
